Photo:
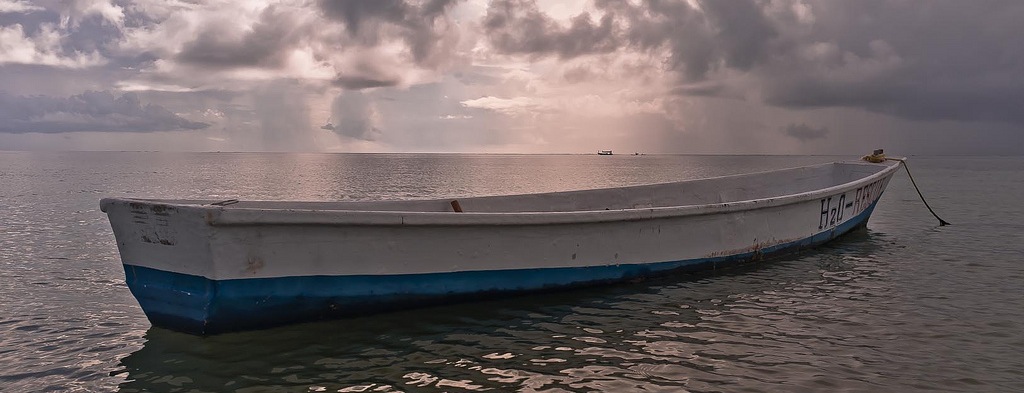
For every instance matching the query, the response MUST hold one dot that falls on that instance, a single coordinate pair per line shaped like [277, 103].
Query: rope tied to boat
[878, 156]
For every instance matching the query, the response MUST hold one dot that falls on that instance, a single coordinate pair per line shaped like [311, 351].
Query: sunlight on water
[903, 306]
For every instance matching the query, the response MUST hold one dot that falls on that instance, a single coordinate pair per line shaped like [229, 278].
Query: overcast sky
[524, 76]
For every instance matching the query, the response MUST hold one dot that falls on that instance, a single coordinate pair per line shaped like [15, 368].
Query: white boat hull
[204, 269]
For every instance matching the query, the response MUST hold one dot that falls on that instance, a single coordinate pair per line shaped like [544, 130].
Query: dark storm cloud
[418, 23]
[743, 32]
[422, 26]
[732, 33]
[354, 13]
[85, 34]
[519, 27]
[805, 132]
[92, 34]
[931, 60]
[425, 35]
[919, 99]
[89, 111]
[919, 60]
[30, 21]
[366, 74]
[359, 83]
[700, 89]
[265, 45]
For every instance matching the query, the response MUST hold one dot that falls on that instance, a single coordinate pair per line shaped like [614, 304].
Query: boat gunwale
[246, 216]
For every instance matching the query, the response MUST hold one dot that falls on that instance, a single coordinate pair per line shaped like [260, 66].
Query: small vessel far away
[206, 267]
[604, 152]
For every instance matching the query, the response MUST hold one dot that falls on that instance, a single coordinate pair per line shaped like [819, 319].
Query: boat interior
[715, 190]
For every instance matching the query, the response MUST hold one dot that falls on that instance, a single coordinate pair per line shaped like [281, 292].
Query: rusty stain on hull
[757, 249]
[253, 265]
[149, 224]
[157, 240]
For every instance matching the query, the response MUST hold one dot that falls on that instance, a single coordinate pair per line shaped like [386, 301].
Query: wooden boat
[205, 267]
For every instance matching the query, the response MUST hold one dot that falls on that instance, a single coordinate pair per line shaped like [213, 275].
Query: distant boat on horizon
[604, 152]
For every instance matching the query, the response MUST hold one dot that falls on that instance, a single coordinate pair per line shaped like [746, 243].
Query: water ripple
[903, 306]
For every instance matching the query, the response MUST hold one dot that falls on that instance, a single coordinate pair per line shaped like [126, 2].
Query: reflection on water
[694, 332]
[902, 306]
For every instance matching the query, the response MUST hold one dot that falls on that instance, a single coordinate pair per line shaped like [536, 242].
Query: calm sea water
[903, 306]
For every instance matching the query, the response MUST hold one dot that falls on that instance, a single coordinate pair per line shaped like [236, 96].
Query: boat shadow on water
[502, 344]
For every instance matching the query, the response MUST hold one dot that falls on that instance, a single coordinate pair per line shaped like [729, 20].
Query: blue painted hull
[197, 305]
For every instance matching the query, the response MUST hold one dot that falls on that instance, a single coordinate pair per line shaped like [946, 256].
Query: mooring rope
[878, 156]
[904, 162]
